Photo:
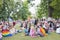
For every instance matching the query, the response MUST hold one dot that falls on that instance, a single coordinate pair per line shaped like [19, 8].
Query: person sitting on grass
[0, 35]
[32, 31]
[26, 31]
[46, 27]
[58, 30]
[12, 29]
[42, 31]
[0, 31]
[39, 33]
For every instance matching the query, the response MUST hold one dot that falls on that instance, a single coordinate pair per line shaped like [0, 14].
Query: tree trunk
[50, 11]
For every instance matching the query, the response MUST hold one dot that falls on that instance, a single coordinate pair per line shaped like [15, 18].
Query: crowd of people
[41, 27]
[32, 27]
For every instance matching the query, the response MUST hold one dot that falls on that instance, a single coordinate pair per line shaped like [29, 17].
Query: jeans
[0, 38]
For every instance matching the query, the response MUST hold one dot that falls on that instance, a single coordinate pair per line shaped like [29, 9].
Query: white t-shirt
[12, 31]
[5, 27]
[44, 26]
[58, 30]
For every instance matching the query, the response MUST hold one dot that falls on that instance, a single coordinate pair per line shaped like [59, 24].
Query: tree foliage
[5, 9]
[18, 10]
[56, 5]
[43, 9]
[49, 8]
[23, 12]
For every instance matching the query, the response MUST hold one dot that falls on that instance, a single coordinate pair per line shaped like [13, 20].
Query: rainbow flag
[6, 33]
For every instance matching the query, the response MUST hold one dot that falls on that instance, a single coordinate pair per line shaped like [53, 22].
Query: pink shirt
[32, 31]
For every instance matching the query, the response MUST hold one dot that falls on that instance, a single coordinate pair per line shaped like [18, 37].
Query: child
[12, 29]
[32, 32]
[26, 31]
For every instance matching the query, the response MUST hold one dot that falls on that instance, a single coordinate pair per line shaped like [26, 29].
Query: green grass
[20, 36]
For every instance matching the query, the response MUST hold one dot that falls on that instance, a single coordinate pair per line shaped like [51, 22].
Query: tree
[6, 8]
[56, 5]
[42, 9]
[23, 12]
[3, 11]
[18, 10]
[0, 8]
[49, 8]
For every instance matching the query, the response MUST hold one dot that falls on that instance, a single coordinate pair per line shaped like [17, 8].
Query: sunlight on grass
[20, 36]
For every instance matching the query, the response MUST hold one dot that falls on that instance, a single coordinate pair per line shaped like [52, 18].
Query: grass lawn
[20, 36]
